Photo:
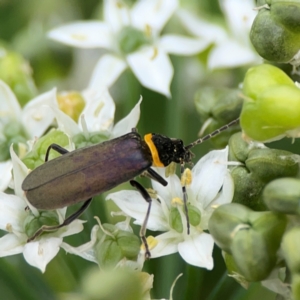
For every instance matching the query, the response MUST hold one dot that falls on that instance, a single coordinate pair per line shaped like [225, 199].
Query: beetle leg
[146, 196]
[57, 148]
[66, 222]
[155, 176]
[185, 199]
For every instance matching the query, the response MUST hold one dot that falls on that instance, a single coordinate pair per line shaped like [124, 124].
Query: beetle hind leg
[66, 222]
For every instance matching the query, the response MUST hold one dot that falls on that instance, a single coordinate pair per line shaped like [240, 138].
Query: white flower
[133, 37]
[232, 46]
[98, 116]
[13, 214]
[211, 186]
[33, 119]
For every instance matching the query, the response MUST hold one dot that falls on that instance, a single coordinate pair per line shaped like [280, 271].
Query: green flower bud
[219, 106]
[271, 39]
[175, 219]
[276, 111]
[36, 156]
[291, 249]
[32, 223]
[225, 220]
[71, 103]
[262, 77]
[268, 164]
[194, 215]
[16, 72]
[88, 139]
[121, 284]
[114, 245]
[283, 195]
[12, 133]
[238, 148]
[131, 39]
[251, 255]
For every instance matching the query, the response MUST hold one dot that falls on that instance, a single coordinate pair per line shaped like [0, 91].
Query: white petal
[167, 244]
[99, 112]
[182, 45]
[197, 251]
[130, 121]
[86, 251]
[116, 15]
[208, 176]
[9, 105]
[40, 253]
[65, 123]
[201, 28]
[172, 190]
[134, 205]
[107, 71]
[232, 54]
[36, 116]
[88, 34]
[153, 13]
[153, 69]
[75, 227]
[12, 212]
[239, 16]
[10, 244]
[6, 176]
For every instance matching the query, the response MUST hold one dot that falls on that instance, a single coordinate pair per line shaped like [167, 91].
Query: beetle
[81, 174]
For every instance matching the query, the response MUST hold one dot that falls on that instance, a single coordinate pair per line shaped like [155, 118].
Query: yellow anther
[176, 201]
[152, 193]
[186, 178]
[151, 241]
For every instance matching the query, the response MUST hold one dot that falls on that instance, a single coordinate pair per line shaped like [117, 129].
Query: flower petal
[88, 34]
[99, 112]
[40, 253]
[86, 251]
[130, 121]
[201, 28]
[116, 14]
[153, 69]
[74, 227]
[133, 205]
[36, 115]
[107, 71]
[167, 244]
[232, 54]
[10, 244]
[153, 13]
[12, 212]
[208, 176]
[6, 176]
[181, 45]
[197, 250]
[9, 105]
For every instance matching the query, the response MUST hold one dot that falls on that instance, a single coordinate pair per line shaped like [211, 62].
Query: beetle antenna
[214, 133]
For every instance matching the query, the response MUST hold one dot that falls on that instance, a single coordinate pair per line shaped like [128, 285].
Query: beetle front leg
[66, 222]
[147, 197]
[57, 148]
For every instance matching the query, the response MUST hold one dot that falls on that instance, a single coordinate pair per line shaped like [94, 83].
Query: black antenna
[214, 133]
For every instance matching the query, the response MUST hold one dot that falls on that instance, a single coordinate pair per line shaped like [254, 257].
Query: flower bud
[225, 220]
[217, 107]
[262, 77]
[71, 103]
[291, 249]
[238, 148]
[36, 156]
[84, 140]
[16, 72]
[114, 245]
[272, 39]
[283, 195]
